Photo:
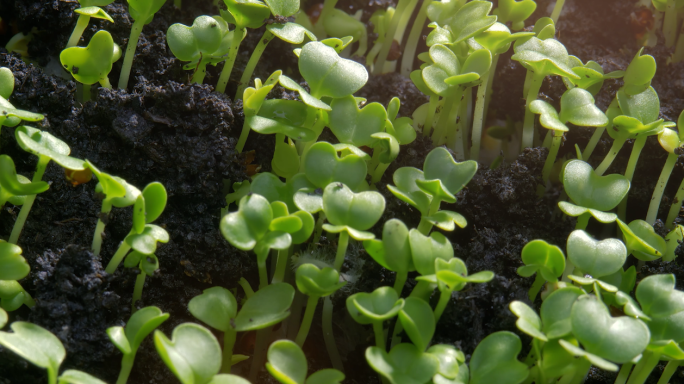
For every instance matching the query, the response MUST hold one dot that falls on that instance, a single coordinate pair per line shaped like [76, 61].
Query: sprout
[381, 20]
[557, 9]
[91, 8]
[10, 116]
[669, 140]
[287, 364]
[671, 8]
[93, 63]
[544, 259]
[452, 367]
[323, 166]
[593, 257]
[128, 339]
[405, 363]
[192, 353]
[418, 321]
[142, 12]
[679, 196]
[13, 296]
[12, 265]
[13, 187]
[515, 12]
[375, 308]
[642, 240]
[147, 264]
[315, 283]
[495, 360]
[393, 252]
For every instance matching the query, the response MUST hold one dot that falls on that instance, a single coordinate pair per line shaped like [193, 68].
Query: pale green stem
[389, 37]
[582, 369]
[262, 338]
[669, 371]
[582, 221]
[281, 266]
[425, 226]
[670, 24]
[675, 207]
[249, 292]
[99, 228]
[490, 82]
[52, 376]
[263, 272]
[118, 256]
[138, 289]
[319, 227]
[342, 244]
[379, 172]
[28, 203]
[642, 371]
[81, 25]
[610, 156]
[678, 55]
[311, 304]
[228, 343]
[126, 367]
[624, 373]
[104, 82]
[375, 159]
[553, 152]
[295, 315]
[430, 117]
[399, 281]
[595, 138]
[200, 73]
[379, 333]
[536, 286]
[136, 30]
[401, 27]
[660, 188]
[440, 130]
[528, 126]
[238, 33]
[319, 29]
[458, 136]
[478, 121]
[252, 63]
[243, 136]
[557, 11]
[85, 93]
[444, 297]
[409, 53]
[629, 172]
[328, 336]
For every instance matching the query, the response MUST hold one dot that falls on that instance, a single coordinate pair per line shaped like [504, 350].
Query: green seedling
[670, 142]
[244, 14]
[20, 41]
[328, 74]
[639, 74]
[679, 196]
[354, 125]
[147, 264]
[287, 364]
[13, 266]
[405, 363]
[10, 116]
[381, 20]
[399, 131]
[43, 349]
[13, 296]
[374, 308]
[591, 194]
[273, 189]
[90, 9]
[144, 236]
[591, 75]
[315, 283]
[207, 41]
[418, 321]
[142, 12]
[393, 252]
[542, 58]
[452, 367]
[495, 360]
[253, 100]
[642, 241]
[594, 258]
[14, 187]
[515, 12]
[544, 259]
[670, 21]
[218, 308]
[323, 166]
[128, 339]
[46, 147]
[338, 23]
[93, 63]
[578, 108]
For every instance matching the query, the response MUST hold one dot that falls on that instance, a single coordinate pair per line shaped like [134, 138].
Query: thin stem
[28, 203]
[551, 158]
[319, 227]
[608, 160]
[126, 367]
[660, 188]
[528, 126]
[81, 25]
[379, 172]
[99, 228]
[328, 336]
[401, 30]
[642, 371]
[263, 272]
[478, 122]
[669, 371]
[379, 333]
[243, 136]
[200, 73]
[52, 376]
[557, 11]
[536, 286]
[228, 343]
[252, 63]
[422, 290]
[670, 24]
[281, 266]
[675, 207]
[238, 33]
[262, 338]
[86, 93]
[582, 369]
[304, 328]
[624, 373]
[104, 83]
[424, 226]
[399, 281]
[595, 138]
[679, 49]
[319, 29]
[118, 256]
[440, 130]
[444, 297]
[389, 37]
[490, 82]
[457, 138]
[583, 221]
[629, 172]
[138, 289]
[342, 244]
[136, 30]
[249, 292]
[409, 53]
[430, 117]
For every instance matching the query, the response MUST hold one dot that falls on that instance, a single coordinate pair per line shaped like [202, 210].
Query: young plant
[594, 258]
[90, 9]
[147, 265]
[93, 63]
[405, 363]
[287, 364]
[324, 166]
[670, 141]
[642, 241]
[515, 12]
[381, 20]
[128, 339]
[670, 22]
[13, 296]
[13, 267]
[10, 116]
[544, 259]
[679, 196]
[142, 12]
[14, 187]
[393, 252]
[315, 283]
[46, 147]
[375, 308]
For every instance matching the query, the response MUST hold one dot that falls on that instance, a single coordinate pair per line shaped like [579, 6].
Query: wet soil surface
[183, 135]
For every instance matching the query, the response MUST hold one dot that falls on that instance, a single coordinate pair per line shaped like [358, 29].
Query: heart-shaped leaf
[616, 339]
[328, 74]
[498, 38]
[42, 143]
[35, 344]
[515, 11]
[495, 360]
[576, 211]
[326, 376]
[268, 306]
[426, 249]
[146, 241]
[596, 258]
[192, 354]
[664, 305]
[359, 211]
[155, 201]
[454, 274]
[249, 13]
[449, 360]
[215, 307]
[589, 190]
[292, 33]
[444, 65]
[447, 220]
[394, 251]
[380, 305]
[549, 118]
[644, 106]
[542, 257]
[555, 312]
[440, 165]
[316, 282]
[405, 364]
[407, 189]
[144, 9]
[244, 228]
[273, 240]
[267, 126]
[93, 63]
[528, 320]
[470, 20]
[544, 57]
[286, 362]
[13, 295]
[352, 125]
[14, 266]
[193, 43]
[418, 321]
[639, 73]
[642, 241]
[323, 166]
[141, 324]
[11, 184]
[577, 107]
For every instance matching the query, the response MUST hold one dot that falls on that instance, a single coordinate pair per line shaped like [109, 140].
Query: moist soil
[164, 129]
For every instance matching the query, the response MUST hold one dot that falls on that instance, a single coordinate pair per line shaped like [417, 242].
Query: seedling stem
[528, 126]
[126, 367]
[629, 172]
[26, 208]
[409, 53]
[582, 221]
[389, 38]
[81, 25]
[553, 152]
[669, 370]
[608, 160]
[328, 336]
[557, 10]
[136, 30]
[591, 145]
[444, 297]
[263, 274]
[238, 33]
[479, 117]
[379, 333]
[229, 337]
[118, 256]
[252, 63]
[311, 304]
[623, 375]
[342, 244]
[660, 188]
[399, 282]
[643, 369]
[670, 24]
[430, 118]
[99, 228]
[138, 289]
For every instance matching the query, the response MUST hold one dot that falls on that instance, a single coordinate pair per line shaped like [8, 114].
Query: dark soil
[183, 136]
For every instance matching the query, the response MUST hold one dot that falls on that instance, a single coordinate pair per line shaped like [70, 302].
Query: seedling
[128, 339]
[591, 194]
[323, 166]
[642, 241]
[147, 264]
[515, 12]
[374, 308]
[544, 259]
[12, 265]
[93, 63]
[13, 296]
[451, 364]
[287, 364]
[218, 308]
[46, 147]
[669, 140]
[594, 258]
[90, 9]
[315, 283]
[10, 116]
[328, 74]
[418, 321]
[381, 20]
[393, 252]
[14, 187]
[142, 12]
[495, 360]
[670, 8]
[192, 353]
[405, 363]
[577, 107]
[399, 131]
[591, 75]
[542, 58]
[679, 196]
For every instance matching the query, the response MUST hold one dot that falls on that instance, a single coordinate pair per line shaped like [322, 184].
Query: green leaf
[447, 220]
[452, 176]
[515, 11]
[268, 306]
[673, 239]
[454, 274]
[146, 241]
[548, 116]
[542, 257]
[273, 240]
[528, 320]
[544, 57]
[577, 107]
[595, 360]
[267, 126]
[326, 376]
[639, 73]
[14, 266]
[644, 106]
[305, 96]
[3, 318]
[394, 251]
[197, 42]
[35, 344]
[284, 8]
[352, 125]
[328, 74]
[664, 304]
[589, 190]
[616, 339]
[387, 145]
[215, 307]
[155, 201]
[444, 65]
[404, 364]
[6, 82]
[228, 379]
[323, 166]
[244, 228]
[495, 360]
[555, 312]
[407, 189]
[10, 182]
[498, 38]
[316, 282]
[426, 249]
[418, 321]
[192, 354]
[292, 33]
[286, 362]
[93, 63]
[470, 20]
[72, 376]
[13, 295]
[576, 211]
[359, 211]
[449, 359]
[249, 13]
[118, 337]
[642, 241]
[308, 224]
[380, 305]
[588, 280]
[596, 258]
[42, 143]
[441, 11]
[95, 12]
[144, 9]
